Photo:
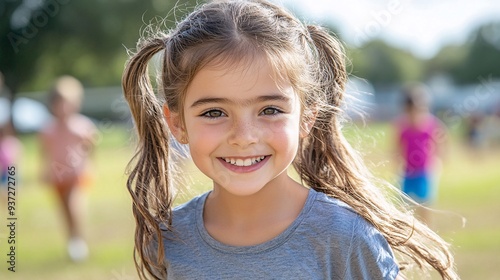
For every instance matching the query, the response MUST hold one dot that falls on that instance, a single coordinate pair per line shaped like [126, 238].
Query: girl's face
[243, 129]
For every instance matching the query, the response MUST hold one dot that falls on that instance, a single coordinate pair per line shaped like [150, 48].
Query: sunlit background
[451, 46]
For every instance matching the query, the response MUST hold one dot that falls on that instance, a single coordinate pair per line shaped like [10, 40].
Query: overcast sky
[421, 26]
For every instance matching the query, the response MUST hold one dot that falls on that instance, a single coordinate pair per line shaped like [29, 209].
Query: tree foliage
[385, 65]
[478, 57]
[482, 57]
[87, 39]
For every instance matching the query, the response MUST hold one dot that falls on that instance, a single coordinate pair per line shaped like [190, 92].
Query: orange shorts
[84, 180]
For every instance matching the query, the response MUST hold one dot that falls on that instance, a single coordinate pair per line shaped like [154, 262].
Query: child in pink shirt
[10, 150]
[419, 136]
[67, 142]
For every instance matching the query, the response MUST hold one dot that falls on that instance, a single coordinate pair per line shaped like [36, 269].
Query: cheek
[203, 137]
[284, 133]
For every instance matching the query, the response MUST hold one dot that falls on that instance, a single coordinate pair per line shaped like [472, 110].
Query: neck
[417, 117]
[253, 219]
[63, 119]
[277, 199]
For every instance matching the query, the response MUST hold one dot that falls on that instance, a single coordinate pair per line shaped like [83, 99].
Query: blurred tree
[384, 65]
[87, 39]
[483, 56]
[478, 57]
[14, 65]
[447, 60]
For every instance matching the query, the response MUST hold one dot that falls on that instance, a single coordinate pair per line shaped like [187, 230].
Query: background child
[10, 147]
[252, 91]
[10, 152]
[67, 142]
[420, 136]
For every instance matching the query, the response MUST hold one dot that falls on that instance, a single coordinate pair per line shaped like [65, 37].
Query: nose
[243, 133]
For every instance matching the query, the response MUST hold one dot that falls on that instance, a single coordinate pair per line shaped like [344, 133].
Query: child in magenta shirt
[419, 136]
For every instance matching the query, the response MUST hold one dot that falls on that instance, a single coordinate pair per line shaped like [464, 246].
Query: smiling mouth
[244, 162]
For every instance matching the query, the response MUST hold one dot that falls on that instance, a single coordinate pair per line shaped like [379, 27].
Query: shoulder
[364, 248]
[83, 121]
[334, 213]
[83, 127]
[340, 218]
[435, 126]
[333, 220]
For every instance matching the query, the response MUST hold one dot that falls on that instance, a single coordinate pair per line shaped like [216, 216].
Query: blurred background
[451, 46]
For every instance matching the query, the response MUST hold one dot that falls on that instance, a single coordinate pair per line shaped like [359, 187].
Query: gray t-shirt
[328, 240]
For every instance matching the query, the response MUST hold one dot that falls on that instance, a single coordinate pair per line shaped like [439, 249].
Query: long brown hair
[313, 61]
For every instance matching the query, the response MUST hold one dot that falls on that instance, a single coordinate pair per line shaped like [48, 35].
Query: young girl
[420, 137]
[253, 91]
[67, 142]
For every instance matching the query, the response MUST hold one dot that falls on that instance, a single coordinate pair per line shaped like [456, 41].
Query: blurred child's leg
[420, 189]
[72, 205]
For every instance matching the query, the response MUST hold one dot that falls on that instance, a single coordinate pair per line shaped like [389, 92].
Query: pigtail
[327, 163]
[149, 181]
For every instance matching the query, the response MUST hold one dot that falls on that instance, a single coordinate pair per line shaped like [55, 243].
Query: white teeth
[244, 162]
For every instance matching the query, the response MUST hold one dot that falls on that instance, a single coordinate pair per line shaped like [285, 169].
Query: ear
[307, 123]
[175, 124]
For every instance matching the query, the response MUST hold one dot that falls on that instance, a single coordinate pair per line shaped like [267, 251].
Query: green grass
[469, 188]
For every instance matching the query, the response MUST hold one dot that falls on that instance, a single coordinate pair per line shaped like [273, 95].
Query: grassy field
[469, 189]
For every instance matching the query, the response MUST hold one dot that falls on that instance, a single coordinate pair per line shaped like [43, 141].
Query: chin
[241, 189]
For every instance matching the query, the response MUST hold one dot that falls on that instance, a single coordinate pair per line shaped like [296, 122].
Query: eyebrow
[244, 102]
